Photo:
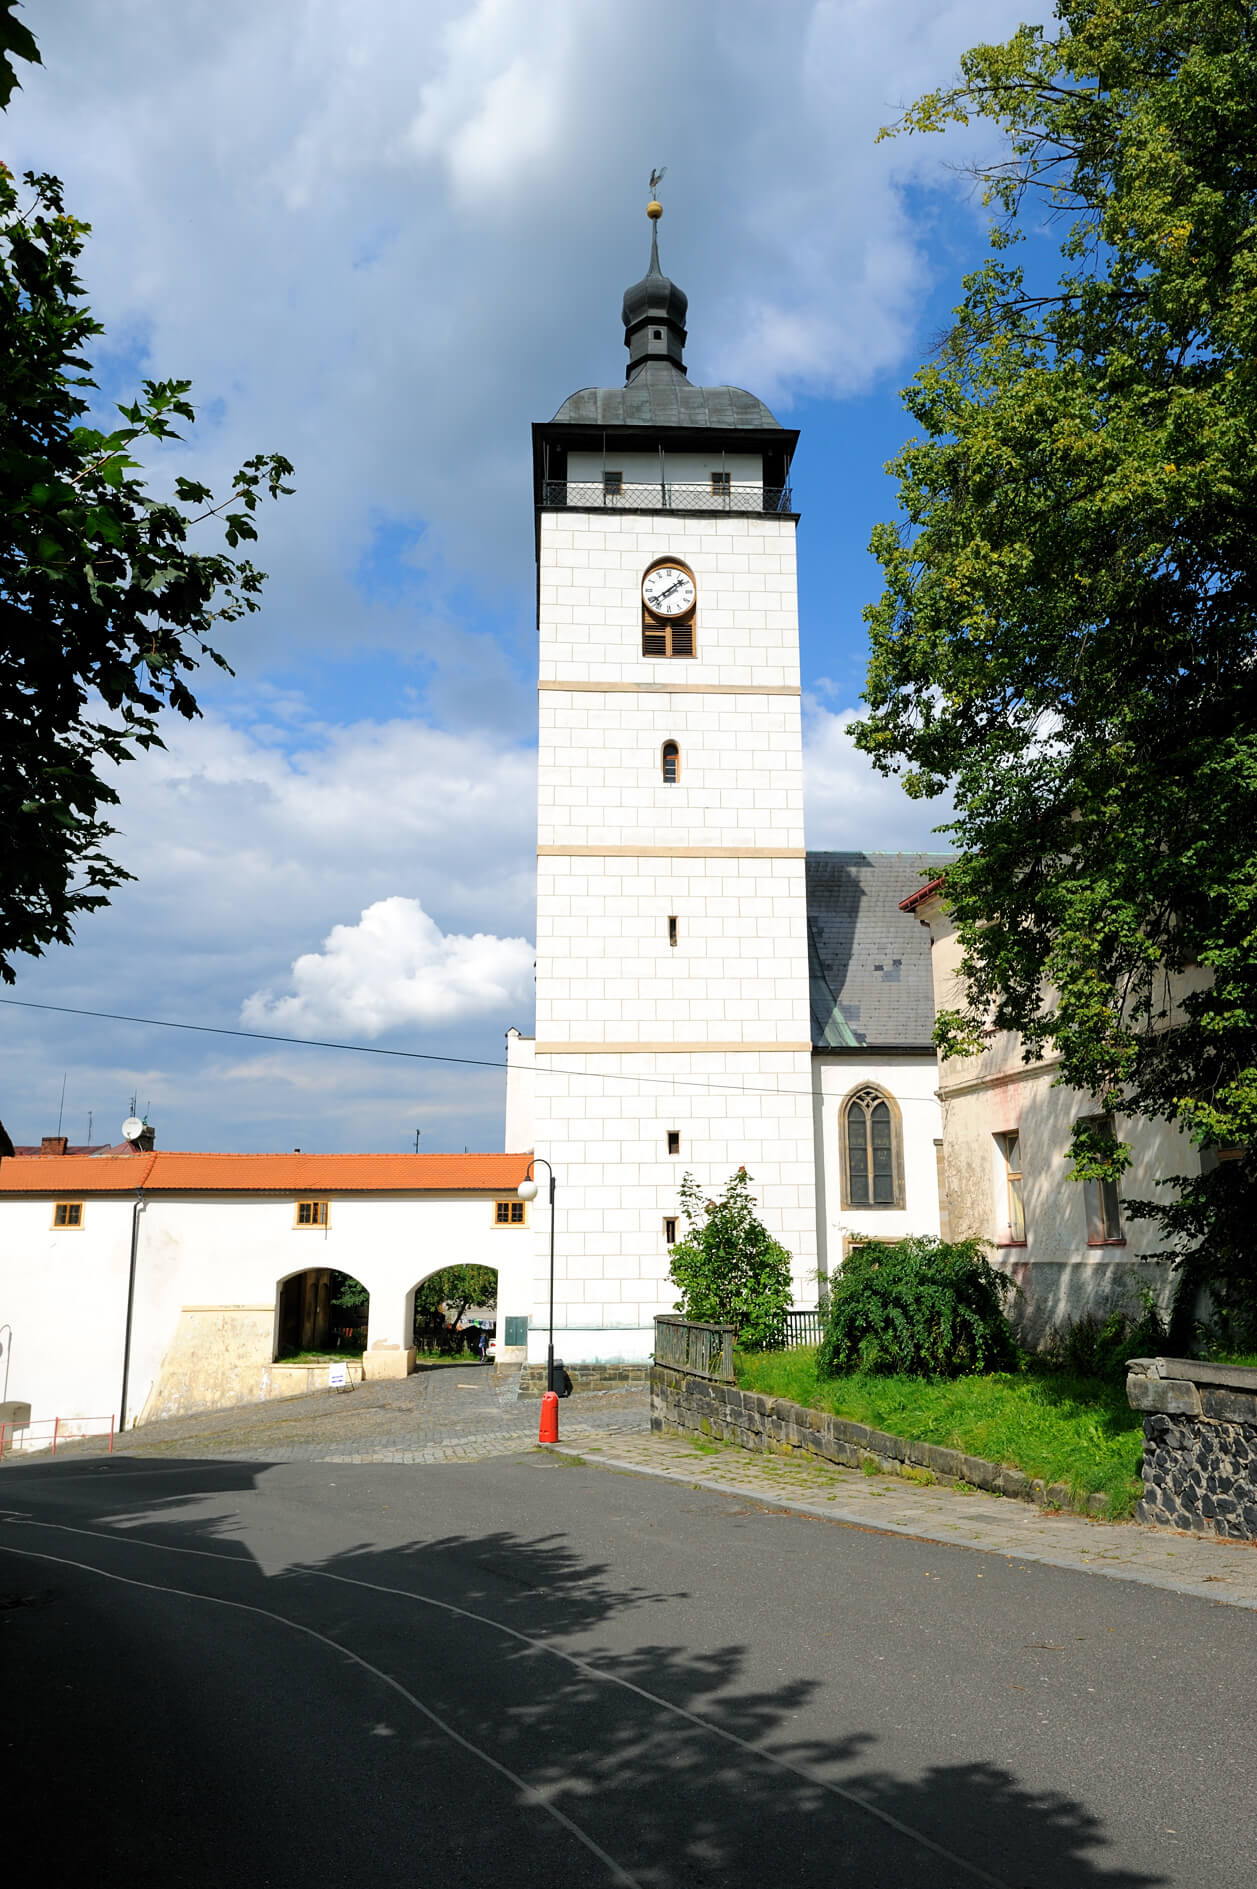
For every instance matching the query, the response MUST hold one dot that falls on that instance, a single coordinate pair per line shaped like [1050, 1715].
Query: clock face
[668, 590]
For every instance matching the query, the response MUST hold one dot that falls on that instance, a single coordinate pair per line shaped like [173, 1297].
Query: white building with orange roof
[148, 1284]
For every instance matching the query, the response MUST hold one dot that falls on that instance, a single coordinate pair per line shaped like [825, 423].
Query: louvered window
[671, 763]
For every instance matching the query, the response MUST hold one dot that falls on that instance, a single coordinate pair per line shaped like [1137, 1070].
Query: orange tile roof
[169, 1172]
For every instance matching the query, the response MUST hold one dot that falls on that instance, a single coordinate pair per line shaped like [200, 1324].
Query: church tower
[673, 1031]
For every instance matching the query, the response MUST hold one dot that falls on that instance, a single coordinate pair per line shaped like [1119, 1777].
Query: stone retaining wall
[585, 1377]
[697, 1407]
[1200, 1445]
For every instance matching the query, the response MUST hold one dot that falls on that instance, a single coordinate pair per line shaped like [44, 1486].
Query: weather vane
[654, 209]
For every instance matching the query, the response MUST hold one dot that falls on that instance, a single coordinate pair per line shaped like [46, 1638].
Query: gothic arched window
[872, 1151]
[671, 763]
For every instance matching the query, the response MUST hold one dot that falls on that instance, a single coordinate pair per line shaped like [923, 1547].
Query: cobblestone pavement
[447, 1413]
[1213, 1570]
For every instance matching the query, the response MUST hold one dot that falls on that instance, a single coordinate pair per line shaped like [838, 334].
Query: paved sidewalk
[450, 1413]
[1213, 1570]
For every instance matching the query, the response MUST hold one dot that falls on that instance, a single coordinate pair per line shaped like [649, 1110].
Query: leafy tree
[1066, 635]
[921, 1307]
[105, 603]
[456, 1288]
[16, 42]
[729, 1269]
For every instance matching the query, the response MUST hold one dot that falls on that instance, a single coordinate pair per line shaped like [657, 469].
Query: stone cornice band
[672, 852]
[672, 1049]
[675, 688]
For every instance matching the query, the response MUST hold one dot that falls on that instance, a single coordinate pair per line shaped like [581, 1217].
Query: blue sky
[382, 240]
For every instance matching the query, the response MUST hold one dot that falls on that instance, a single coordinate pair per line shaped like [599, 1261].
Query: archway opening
[456, 1312]
[321, 1313]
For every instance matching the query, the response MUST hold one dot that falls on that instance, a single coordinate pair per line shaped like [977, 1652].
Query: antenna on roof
[61, 1110]
[90, 1118]
[418, 1132]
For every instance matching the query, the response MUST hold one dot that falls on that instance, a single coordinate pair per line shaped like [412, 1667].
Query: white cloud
[386, 238]
[848, 806]
[395, 966]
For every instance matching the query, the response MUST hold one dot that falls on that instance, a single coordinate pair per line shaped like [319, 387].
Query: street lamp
[527, 1190]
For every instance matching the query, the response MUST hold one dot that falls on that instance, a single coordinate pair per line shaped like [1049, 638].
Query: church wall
[912, 1082]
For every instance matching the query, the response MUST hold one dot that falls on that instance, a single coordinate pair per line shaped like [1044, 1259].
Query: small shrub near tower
[921, 1307]
[728, 1268]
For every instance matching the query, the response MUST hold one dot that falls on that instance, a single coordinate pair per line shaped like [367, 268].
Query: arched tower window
[871, 1150]
[671, 763]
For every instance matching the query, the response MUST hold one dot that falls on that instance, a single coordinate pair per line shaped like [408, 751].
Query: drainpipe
[136, 1211]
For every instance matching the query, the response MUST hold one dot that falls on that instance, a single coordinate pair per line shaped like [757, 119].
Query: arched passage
[320, 1310]
[452, 1308]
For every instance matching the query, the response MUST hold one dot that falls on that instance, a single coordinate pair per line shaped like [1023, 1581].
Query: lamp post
[527, 1190]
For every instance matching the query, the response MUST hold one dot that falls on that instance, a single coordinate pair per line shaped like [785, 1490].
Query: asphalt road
[553, 1675]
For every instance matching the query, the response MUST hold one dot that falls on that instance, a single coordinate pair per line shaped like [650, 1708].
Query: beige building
[1004, 1177]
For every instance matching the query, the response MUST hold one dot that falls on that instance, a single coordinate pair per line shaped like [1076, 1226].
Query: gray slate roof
[869, 962]
[660, 395]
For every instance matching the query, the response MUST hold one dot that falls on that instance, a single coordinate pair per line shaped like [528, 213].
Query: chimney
[144, 1144]
[54, 1144]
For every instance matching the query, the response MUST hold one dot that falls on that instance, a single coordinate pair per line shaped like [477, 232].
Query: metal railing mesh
[703, 1350]
[668, 495]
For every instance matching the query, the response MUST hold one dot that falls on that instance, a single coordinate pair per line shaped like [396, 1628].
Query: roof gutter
[921, 895]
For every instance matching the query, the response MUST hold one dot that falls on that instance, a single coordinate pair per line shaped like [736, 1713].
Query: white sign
[337, 1377]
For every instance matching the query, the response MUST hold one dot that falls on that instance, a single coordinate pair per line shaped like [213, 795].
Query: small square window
[68, 1213]
[674, 1141]
[613, 485]
[721, 484]
[311, 1213]
[669, 1231]
[508, 1213]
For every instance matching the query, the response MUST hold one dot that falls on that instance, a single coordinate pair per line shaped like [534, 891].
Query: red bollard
[549, 1419]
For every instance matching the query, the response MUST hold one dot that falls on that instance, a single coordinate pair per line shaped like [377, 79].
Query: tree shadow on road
[445, 1711]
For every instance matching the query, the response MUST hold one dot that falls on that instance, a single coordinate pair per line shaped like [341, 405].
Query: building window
[508, 1213]
[721, 484]
[671, 763]
[672, 931]
[1009, 1147]
[669, 1230]
[872, 1164]
[68, 1213]
[1103, 1206]
[613, 485]
[311, 1213]
[674, 1141]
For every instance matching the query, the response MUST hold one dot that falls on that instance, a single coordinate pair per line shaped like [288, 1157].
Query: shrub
[729, 1269]
[921, 1307]
[1098, 1345]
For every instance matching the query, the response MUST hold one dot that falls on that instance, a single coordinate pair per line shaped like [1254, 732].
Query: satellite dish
[132, 1128]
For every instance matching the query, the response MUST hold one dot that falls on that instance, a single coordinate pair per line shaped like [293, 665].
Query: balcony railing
[667, 495]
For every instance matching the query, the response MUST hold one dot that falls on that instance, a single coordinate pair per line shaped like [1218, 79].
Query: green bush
[919, 1308]
[1098, 1345]
[729, 1268]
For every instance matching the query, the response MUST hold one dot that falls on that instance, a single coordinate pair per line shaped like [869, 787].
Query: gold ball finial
[654, 209]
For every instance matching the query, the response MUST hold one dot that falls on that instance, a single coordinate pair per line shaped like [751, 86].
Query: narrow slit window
[311, 1213]
[669, 1231]
[671, 763]
[1010, 1152]
[672, 931]
[674, 1141]
[68, 1213]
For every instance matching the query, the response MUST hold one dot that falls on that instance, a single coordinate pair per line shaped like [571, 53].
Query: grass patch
[1079, 1431]
[320, 1357]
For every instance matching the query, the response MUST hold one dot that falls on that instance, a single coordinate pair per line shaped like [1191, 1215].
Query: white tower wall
[635, 1036]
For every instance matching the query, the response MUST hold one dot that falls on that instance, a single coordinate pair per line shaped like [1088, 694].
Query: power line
[418, 1055]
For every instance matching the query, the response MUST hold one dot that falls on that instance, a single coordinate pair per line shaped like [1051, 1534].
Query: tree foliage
[456, 1288]
[729, 1269]
[1067, 631]
[106, 600]
[921, 1307]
